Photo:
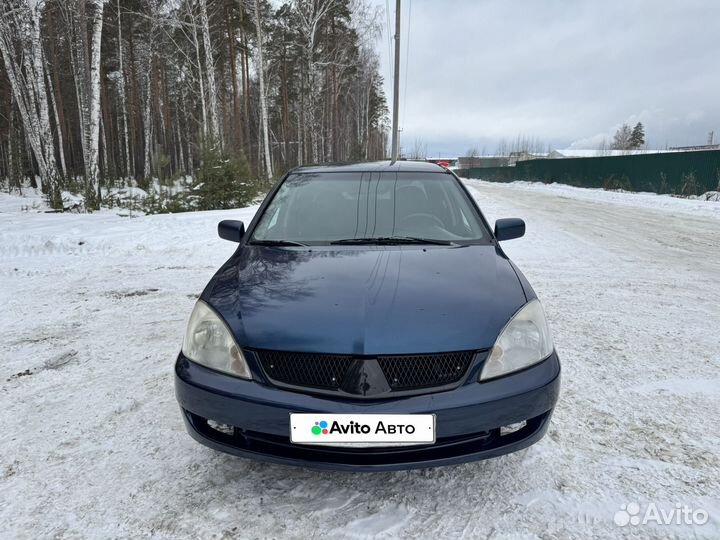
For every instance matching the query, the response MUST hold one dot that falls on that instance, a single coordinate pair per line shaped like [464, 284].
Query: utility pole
[396, 82]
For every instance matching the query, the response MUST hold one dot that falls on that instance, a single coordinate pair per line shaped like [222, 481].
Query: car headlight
[524, 341]
[209, 342]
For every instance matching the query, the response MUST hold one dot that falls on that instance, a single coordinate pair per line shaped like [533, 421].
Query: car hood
[366, 300]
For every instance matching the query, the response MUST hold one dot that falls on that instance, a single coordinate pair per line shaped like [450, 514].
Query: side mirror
[231, 229]
[509, 228]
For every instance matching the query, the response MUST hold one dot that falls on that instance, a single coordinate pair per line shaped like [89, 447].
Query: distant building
[523, 156]
[598, 152]
[693, 148]
[450, 162]
[482, 162]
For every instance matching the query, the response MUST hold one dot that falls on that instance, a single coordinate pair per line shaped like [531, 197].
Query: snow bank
[697, 206]
[31, 200]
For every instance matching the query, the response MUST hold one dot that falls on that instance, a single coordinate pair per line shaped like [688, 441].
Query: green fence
[684, 173]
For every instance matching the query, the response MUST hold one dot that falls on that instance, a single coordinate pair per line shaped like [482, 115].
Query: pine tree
[637, 137]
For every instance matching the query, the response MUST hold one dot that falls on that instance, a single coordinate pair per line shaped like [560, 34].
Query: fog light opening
[222, 428]
[512, 428]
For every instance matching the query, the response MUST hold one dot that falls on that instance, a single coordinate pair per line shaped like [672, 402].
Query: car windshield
[388, 207]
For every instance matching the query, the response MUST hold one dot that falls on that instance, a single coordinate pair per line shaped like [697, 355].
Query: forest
[97, 95]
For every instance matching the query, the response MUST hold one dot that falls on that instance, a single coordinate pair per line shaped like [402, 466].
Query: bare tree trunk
[189, 165]
[55, 89]
[201, 83]
[301, 151]
[38, 59]
[133, 107]
[301, 122]
[11, 137]
[147, 93]
[147, 123]
[310, 117]
[123, 102]
[182, 166]
[104, 139]
[366, 123]
[246, 82]
[310, 14]
[236, 128]
[94, 131]
[22, 26]
[263, 103]
[285, 108]
[332, 80]
[210, 72]
[85, 59]
[109, 143]
[160, 112]
[58, 126]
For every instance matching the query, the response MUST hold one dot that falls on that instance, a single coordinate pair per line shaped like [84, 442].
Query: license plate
[362, 430]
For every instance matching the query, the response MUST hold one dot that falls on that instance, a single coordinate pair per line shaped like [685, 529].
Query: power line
[389, 36]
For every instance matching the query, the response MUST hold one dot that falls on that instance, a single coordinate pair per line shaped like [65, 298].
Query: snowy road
[92, 443]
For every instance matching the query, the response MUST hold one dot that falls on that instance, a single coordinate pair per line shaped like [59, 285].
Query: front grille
[305, 369]
[422, 371]
[365, 376]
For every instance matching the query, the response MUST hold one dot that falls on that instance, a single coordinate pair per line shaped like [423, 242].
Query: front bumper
[468, 418]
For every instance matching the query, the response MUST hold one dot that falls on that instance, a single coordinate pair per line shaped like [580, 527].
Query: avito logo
[320, 427]
[356, 428]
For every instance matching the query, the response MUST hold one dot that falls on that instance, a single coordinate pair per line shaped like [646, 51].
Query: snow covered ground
[92, 444]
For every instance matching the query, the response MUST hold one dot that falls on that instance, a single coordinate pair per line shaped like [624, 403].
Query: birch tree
[22, 53]
[58, 130]
[93, 133]
[148, 64]
[263, 97]
[310, 13]
[85, 58]
[214, 125]
[122, 97]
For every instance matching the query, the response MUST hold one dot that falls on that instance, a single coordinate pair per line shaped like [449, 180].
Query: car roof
[372, 166]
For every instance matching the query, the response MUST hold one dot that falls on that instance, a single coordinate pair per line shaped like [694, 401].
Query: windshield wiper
[394, 240]
[276, 243]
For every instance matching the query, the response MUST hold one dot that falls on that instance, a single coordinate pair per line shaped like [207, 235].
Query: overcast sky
[567, 72]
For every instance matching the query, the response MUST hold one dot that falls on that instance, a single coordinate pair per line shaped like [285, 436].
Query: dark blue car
[368, 320]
